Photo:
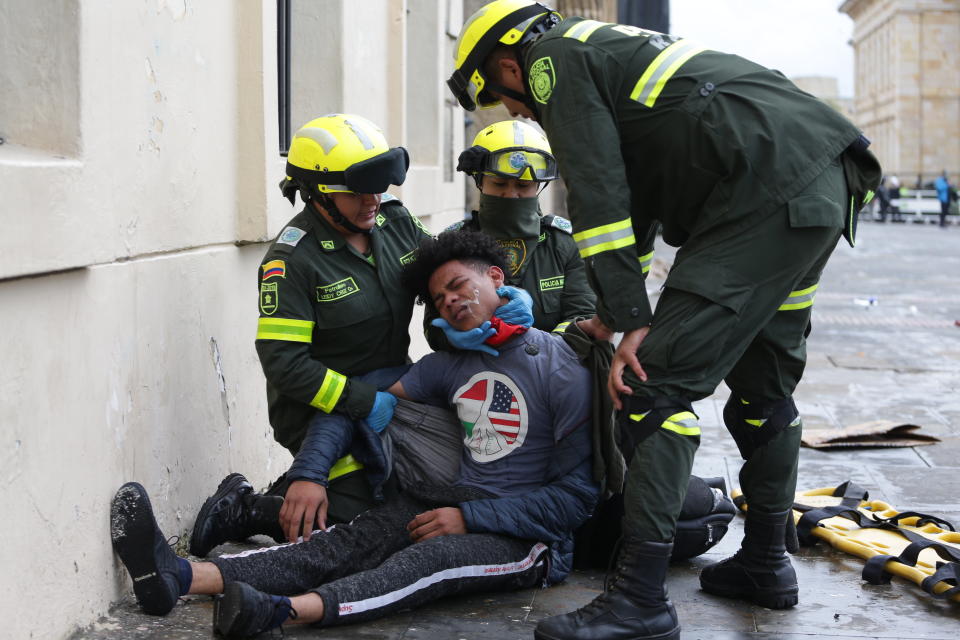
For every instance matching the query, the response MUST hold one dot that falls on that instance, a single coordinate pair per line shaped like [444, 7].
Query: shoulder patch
[291, 236]
[456, 226]
[542, 79]
[561, 223]
[386, 198]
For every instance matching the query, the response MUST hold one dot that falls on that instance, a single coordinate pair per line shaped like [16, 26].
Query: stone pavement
[898, 359]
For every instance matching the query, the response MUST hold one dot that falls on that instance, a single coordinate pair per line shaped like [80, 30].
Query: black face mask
[509, 218]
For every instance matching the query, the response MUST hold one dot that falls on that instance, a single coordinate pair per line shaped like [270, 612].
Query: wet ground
[895, 358]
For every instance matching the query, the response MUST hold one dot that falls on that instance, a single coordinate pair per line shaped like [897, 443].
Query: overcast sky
[798, 37]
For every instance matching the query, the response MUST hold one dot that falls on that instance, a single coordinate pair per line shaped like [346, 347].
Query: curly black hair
[478, 250]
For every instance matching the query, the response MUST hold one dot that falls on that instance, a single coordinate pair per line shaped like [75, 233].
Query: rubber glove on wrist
[383, 406]
[471, 340]
[519, 309]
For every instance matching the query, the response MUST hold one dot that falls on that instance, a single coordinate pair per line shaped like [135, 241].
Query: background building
[907, 57]
[139, 171]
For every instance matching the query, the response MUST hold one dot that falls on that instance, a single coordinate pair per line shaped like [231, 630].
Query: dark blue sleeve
[328, 439]
[428, 379]
[553, 511]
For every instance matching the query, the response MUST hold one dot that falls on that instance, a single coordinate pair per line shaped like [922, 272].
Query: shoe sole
[226, 609]
[132, 530]
[779, 599]
[673, 634]
[231, 482]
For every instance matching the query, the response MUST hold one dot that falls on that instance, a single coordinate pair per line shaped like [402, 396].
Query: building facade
[907, 70]
[139, 170]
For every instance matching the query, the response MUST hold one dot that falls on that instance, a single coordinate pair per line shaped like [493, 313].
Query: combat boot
[760, 571]
[634, 605]
[234, 513]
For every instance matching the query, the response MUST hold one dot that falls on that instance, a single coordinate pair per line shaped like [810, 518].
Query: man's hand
[595, 328]
[472, 340]
[305, 502]
[625, 356]
[518, 309]
[444, 521]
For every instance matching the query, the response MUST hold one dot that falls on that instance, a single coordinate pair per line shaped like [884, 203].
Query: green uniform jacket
[328, 313]
[553, 274]
[647, 127]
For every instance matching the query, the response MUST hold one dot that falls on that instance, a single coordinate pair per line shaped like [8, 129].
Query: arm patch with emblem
[558, 222]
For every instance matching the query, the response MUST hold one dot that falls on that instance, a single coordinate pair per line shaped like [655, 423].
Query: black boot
[235, 513]
[760, 571]
[634, 605]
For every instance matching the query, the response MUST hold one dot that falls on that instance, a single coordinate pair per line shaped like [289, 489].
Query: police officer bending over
[756, 181]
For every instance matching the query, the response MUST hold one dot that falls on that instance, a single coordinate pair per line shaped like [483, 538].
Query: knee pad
[753, 425]
[704, 519]
[641, 417]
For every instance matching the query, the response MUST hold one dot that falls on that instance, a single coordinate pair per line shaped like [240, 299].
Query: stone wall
[907, 57]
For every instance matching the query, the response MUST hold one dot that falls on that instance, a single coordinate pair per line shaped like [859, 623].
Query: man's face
[463, 296]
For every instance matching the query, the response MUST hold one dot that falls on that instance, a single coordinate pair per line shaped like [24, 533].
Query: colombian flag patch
[274, 268]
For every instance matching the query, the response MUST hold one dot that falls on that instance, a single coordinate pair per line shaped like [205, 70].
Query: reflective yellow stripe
[662, 68]
[867, 198]
[756, 423]
[583, 30]
[346, 464]
[330, 391]
[560, 328]
[646, 261]
[637, 417]
[605, 238]
[285, 329]
[800, 299]
[684, 423]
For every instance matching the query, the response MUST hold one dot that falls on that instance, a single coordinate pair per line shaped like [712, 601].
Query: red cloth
[505, 331]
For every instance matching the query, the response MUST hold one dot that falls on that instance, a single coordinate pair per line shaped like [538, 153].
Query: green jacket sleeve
[284, 338]
[580, 121]
[578, 299]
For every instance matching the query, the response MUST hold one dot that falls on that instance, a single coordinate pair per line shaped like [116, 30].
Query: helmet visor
[376, 174]
[523, 163]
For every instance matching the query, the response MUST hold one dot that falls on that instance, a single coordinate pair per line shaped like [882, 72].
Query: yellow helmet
[511, 149]
[502, 22]
[342, 153]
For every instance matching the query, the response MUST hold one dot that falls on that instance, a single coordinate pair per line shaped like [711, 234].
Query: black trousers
[369, 568]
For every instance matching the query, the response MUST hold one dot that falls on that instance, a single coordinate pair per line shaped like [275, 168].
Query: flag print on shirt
[493, 414]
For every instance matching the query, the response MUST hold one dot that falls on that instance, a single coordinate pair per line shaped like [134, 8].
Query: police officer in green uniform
[332, 333]
[755, 181]
[510, 162]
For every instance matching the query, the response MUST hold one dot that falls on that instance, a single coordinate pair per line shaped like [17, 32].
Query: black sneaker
[143, 550]
[222, 517]
[242, 611]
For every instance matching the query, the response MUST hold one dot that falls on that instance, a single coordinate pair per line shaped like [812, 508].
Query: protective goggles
[522, 163]
[373, 175]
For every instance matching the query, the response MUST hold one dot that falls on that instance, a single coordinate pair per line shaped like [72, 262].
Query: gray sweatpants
[370, 568]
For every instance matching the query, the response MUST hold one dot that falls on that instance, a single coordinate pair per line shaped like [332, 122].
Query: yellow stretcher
[921, 548]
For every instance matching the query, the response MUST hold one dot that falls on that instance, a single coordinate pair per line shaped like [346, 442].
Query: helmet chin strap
[338, 218]
[523, 98]
[331, 207]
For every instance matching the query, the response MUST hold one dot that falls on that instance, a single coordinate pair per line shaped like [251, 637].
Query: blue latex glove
[383, 406]
[520, 308]
[471, 340]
